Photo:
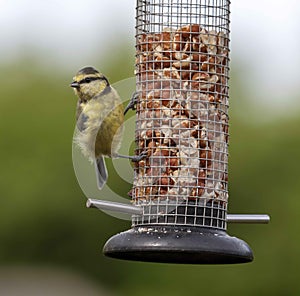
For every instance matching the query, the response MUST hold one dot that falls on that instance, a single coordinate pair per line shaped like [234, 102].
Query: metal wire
[182, 65]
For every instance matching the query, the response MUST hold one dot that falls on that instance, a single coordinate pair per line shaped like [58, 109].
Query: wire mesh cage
[182, 73]
[182, 67]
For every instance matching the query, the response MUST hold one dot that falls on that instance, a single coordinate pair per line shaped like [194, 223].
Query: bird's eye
[88, 80]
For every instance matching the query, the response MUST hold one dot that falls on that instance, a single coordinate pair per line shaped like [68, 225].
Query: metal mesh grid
[182, 66]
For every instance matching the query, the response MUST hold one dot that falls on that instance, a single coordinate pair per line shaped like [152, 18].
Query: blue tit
[99, 117]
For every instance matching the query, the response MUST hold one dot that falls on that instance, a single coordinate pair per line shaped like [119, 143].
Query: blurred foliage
[43, 216]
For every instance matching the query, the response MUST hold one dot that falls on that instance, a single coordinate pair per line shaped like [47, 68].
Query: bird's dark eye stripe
[88, 79]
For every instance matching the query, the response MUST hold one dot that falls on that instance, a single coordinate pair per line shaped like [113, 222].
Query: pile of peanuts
[182, 115]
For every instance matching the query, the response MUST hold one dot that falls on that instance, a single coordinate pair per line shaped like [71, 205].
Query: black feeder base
[174, 244]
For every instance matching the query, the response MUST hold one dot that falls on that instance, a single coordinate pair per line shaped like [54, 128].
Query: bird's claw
[134, 158]
[139, 157]
[132, 103]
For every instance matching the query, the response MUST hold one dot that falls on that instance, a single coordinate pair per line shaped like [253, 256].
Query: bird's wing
[81, 120]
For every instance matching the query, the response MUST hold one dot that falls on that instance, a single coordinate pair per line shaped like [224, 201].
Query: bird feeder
[180, 189]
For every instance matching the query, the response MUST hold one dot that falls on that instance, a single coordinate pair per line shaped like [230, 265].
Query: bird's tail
[101, 172]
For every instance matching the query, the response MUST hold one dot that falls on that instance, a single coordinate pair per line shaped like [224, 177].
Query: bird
[99, 120]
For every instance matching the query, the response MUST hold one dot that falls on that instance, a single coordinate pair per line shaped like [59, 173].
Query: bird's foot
[137, 158]
[134, 158]
[132, 103]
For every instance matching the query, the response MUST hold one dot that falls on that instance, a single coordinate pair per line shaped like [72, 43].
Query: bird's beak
[74, 84]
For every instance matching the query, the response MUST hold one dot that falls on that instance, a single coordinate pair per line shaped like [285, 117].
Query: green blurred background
[51, 244]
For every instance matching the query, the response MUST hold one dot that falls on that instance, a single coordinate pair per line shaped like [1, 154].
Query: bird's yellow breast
[103, 126]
